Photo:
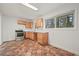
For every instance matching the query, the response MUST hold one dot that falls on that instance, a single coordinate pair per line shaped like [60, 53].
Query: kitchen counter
[35, 31]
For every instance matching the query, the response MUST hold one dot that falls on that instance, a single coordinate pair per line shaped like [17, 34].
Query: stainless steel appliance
[19, 34]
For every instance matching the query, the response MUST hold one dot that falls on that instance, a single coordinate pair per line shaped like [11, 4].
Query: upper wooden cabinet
[25, 22]
[28, 25]
[21, 22]
[39, 23]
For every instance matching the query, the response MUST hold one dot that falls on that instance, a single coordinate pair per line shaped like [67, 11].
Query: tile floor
[30, 48]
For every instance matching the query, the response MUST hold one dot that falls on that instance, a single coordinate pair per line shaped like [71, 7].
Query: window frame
[63, 18]
[75, 21]
[50, 19]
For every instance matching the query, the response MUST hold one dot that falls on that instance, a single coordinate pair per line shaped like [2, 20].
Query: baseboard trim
[76, 54]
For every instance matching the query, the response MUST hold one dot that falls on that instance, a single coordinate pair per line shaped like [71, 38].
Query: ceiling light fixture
[30, 6]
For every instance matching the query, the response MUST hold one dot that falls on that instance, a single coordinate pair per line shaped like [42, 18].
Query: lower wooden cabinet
[31, 35]
[27, 35]
[42, 38]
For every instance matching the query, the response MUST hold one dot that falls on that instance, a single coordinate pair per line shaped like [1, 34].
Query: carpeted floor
[30, 48]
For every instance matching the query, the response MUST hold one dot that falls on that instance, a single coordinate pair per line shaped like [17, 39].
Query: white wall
[9, 25]
[65, 38]
[0, 31]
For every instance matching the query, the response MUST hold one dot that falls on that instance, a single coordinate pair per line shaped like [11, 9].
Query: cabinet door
[33, 36]
[24, 22]
[28, 25]
[39, 23]
[42, 38]
[21, 22]
[27, 35]
[45, 38]
[39, 38]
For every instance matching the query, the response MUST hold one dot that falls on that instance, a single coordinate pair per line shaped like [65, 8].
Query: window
[62, 21]
[70, 20]
[65, 21]
[50, 23]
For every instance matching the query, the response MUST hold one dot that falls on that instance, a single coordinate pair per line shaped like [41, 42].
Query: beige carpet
[30, 48]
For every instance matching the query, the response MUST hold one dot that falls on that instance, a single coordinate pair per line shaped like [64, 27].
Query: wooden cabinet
[28, 25]
[39, 23]
[27, 35]
[31, 35]
[21, 22]
[42, 38]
